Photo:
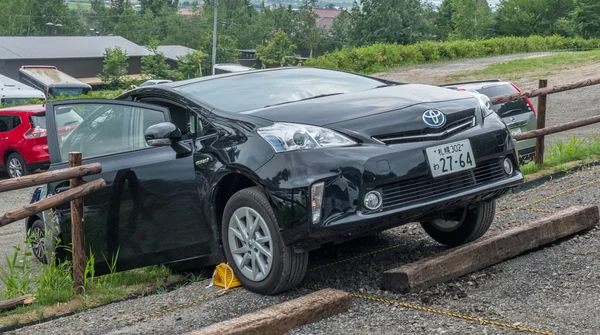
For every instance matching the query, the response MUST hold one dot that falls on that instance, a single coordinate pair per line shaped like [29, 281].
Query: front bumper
[349, 173]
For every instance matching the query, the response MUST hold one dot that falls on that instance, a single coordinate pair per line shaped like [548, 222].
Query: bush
[376, 57]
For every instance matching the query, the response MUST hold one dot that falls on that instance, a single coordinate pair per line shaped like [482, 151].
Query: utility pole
[214, 50]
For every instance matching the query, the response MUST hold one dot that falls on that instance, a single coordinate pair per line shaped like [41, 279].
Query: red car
[23, 142]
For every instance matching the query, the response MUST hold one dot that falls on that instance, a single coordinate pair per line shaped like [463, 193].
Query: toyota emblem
[434, 118]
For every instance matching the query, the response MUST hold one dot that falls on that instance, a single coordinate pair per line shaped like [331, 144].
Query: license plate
[450, 158]
[515, 131]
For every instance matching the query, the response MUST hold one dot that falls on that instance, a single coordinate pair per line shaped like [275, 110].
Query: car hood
[349, 106]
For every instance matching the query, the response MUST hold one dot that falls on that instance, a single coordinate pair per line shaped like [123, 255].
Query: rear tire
[38, 241]
[462, 226]
[15, 166]
[248, 245]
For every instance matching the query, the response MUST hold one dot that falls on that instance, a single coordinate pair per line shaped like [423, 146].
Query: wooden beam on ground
[480, 254]
[54, 201]
[9, 304]
[49, 177]
[281, 318]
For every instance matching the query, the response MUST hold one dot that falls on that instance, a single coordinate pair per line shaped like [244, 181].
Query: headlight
[487, 108]
[291, 136]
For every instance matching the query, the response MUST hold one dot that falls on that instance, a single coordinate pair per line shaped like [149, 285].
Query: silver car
[518, 115]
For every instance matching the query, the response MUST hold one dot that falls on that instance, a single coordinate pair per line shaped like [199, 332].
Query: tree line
[278, 32]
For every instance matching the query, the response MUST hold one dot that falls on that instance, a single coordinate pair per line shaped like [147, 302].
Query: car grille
[417, 189]
[428, 134]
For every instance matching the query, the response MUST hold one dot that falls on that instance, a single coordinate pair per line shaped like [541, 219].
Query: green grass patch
[380, 56]
[562, 156]
[532, 67]
[54, 292]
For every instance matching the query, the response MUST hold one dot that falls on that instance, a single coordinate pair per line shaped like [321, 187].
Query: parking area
[549, 291]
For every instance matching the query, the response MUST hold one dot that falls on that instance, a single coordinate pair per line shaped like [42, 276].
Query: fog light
[508, 166]
[372, 200]
[316, 201]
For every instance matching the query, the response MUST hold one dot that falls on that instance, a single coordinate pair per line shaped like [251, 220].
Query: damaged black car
[258, 168]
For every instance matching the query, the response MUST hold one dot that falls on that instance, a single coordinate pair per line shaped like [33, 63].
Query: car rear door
[149, 209]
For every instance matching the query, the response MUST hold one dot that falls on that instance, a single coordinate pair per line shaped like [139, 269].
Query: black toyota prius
[258, 168]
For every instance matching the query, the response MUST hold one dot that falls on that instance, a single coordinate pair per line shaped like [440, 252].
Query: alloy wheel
[37, 242]
[250, 244]
[15, 168]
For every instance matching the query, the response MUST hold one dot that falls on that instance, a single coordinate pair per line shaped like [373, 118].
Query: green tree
[585, 16]
[531, 17]
[391, 21]
[443, 21]
[278, 51]
[188, 64]
[472, 19]
[155, 64]
[156, 6]
[29, 17]
[114, 69]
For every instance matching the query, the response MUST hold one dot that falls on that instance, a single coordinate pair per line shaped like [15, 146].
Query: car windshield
[259, 89]
[66, 91]
[10, 101]
[509, 108]
[38, 121]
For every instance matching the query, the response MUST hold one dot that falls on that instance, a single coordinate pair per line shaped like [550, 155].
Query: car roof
[25, 109]
[241, 73]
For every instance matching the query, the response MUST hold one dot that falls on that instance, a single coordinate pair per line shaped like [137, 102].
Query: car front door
[149, 210]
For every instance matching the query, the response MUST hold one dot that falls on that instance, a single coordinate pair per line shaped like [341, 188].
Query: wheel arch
[225, 188]
[9, 152]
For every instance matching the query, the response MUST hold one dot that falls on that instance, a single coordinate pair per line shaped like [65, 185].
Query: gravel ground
[554, 289]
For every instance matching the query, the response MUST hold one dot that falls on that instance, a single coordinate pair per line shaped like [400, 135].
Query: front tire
[15, 166]
[254, 247]
[462, 226]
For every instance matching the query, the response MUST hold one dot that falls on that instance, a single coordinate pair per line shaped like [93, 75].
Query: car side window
[16, 121]
[5, 122]
[105, 129]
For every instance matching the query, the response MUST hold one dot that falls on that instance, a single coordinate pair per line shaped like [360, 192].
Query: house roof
[51, 47]
[326, 16]
[174, 51]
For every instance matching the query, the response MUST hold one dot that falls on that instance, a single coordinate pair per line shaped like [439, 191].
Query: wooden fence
[74, 195]
[541, 130]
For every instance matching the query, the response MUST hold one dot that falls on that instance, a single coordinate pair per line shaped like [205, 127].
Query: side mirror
[162, 134]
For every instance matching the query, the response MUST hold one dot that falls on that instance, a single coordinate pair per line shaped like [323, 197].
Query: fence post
[77, 228]
[541, 123]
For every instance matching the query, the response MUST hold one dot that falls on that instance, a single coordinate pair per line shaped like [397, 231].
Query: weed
[561, 153]
[17, 276]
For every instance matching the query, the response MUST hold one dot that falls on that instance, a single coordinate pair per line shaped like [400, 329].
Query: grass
[562, 156]
[53, 286]
[531, 67]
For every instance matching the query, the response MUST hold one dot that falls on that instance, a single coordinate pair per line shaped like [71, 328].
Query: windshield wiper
[310, 98]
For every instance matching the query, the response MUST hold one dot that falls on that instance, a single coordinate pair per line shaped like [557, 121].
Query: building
[171, 52]
[79, 56]
[326, 17]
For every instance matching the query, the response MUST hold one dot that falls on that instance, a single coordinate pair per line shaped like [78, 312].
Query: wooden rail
[74, 195]
[541, 130]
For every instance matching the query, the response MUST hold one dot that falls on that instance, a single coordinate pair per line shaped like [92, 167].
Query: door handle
[4, 139]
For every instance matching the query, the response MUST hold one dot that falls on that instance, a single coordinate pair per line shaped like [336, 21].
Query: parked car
[231, 68]
[258, 168]
[23, 143]
[13, 92]
[153, 82]
[51, 81]
[518, 115]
